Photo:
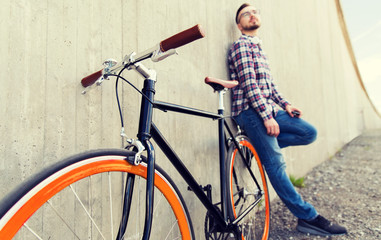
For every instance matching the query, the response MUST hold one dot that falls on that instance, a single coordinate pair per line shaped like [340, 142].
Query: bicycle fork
[128, 192]
[144, 137]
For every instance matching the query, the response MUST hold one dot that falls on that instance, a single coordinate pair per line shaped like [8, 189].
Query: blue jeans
[293, 131]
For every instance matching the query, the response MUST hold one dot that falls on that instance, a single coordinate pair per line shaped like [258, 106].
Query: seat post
[221, 100]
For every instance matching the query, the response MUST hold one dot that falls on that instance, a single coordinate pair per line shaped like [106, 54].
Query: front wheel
[248, 194]
[82, 198]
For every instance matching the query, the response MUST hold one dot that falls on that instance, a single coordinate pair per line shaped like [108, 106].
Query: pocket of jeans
[251, 117]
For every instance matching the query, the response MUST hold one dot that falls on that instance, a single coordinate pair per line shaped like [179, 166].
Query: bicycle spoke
[110, 199]
[171, 230]
[157, 204]
[33, 232]
[137, 210]
[87, 212]
[63, 220]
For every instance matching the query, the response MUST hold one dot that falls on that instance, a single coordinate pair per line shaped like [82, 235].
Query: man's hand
[272, 127]
[290, 109]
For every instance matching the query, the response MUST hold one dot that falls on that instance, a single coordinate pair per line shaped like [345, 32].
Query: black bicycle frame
[148, 129]
[221, 217]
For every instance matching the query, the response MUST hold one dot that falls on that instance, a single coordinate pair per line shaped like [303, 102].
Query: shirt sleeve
[277, 97]
[242, 59]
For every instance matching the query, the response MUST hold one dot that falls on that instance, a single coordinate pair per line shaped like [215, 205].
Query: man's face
[249, 19]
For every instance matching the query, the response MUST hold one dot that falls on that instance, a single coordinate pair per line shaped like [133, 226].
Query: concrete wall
[46, 47]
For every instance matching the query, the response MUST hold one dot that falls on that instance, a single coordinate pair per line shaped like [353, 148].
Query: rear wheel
[82, 198]
[246, 192]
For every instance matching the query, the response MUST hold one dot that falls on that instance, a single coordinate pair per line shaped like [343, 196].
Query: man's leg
[294, 131]
[270, 153]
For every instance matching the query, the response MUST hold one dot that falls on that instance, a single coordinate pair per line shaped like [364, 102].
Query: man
[255, 107]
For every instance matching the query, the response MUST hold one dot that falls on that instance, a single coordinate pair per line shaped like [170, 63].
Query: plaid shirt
[248, 64]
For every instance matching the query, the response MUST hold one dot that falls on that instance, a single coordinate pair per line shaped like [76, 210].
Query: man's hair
[239, 10]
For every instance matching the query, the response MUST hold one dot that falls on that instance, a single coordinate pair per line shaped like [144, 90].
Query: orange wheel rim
[265, 189]
[35, 202]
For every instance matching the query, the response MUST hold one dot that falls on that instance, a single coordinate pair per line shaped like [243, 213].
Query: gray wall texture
[46, 47]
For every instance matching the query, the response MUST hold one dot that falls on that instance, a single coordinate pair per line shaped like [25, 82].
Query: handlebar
[182, 38]
[177, 40]
[92, 78]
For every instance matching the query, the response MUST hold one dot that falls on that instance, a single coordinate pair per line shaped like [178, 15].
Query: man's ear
[239, 26]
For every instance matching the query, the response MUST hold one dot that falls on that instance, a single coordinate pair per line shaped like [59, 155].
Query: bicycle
[35, 208]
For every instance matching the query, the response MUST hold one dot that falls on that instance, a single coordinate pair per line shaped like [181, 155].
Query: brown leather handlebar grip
[182, 38]
[91, 79]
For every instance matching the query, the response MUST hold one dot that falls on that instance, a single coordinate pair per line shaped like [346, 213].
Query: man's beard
[251, 27]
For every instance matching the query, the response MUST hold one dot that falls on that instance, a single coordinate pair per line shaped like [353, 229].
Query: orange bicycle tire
[77, 168]
[232, 211]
